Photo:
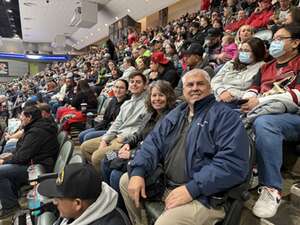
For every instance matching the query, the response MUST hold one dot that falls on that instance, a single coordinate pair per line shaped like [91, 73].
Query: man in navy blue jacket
[204, 149]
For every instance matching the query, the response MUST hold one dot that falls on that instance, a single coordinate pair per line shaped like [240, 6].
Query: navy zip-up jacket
[217, 148]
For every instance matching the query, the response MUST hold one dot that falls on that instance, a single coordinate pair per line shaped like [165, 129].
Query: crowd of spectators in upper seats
[245, 49]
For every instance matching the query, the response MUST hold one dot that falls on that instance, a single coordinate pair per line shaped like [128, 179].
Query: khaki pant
[193, 213]
[91, 152]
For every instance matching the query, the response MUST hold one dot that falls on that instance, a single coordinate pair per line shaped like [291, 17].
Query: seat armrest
[44, 176]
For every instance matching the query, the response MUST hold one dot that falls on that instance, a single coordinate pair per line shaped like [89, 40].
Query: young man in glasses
[276, 84]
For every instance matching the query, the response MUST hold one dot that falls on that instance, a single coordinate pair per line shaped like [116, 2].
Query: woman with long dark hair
[160, 100]
[84, 94]
[236, 76]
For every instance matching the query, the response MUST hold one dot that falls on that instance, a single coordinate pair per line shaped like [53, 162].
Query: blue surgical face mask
[245, 57]
[277, 48]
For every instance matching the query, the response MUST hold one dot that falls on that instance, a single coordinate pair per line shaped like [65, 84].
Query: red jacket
[256, 20]
[272, 72]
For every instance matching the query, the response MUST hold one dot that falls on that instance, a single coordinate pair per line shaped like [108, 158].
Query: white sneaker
[267, 204]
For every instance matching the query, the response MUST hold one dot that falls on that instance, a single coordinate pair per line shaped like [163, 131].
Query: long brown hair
[165, 88]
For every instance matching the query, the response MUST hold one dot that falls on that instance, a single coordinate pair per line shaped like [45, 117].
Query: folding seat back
[64, 156]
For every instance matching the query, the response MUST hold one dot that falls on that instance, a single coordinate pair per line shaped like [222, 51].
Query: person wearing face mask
[236, 76]
[276, 82]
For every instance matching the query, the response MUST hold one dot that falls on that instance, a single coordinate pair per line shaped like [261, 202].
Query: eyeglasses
[119, 87]
[281, 38]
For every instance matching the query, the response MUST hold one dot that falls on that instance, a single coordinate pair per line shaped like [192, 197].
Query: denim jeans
[270, 131]
[112, 177]
[10, 146]
[12, 177]
[90, 134]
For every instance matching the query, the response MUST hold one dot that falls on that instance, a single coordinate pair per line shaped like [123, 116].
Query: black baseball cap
[214, 32]
[76, 180]
[194, 49]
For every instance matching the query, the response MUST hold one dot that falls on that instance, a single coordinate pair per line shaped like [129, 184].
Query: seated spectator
[236, 76]
[232, 5]
[120, 89]
[69, 94]
[160, 100]
[84, 94]
[195, 166]
[258, 19]
[249, 6]
[81, 197]
[157, 44]
[194, 59]
[128, 67]
[215, 15]
[229, 49]
[241, 14]
[198, 31]
[132, 116]
[58, 98]
[171, 54]
[244, 34]
[213, 44]
[143, 65]
[217, 24]
[228, 15]
[51, 89]
[276, 82]
[293, 17]
[38, 145]
[281, 13]
[114, 75]
[12, 139]
[163, 69]
[132, 36]
[180, 39]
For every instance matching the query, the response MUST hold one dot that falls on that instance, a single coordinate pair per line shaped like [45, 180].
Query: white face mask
[277, 48]
[245, 57]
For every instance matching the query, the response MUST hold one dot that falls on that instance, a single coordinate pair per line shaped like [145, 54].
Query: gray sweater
[133, 116]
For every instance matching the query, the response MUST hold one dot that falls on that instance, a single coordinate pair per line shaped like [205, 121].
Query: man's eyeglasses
[281, 38]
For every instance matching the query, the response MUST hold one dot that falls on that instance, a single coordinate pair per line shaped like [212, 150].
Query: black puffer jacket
[39, 145]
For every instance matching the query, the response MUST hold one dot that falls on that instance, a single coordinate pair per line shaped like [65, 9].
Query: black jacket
[110, 114]
[84, 97]
[39, 145]
[169, 74]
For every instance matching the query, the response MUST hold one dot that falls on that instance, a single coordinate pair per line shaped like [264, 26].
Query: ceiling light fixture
[7, 0]
[9, 11]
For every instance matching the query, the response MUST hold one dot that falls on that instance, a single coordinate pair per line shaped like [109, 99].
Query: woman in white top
[236, 76]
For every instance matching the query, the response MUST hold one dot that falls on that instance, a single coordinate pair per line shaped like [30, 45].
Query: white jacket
[236, 82]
